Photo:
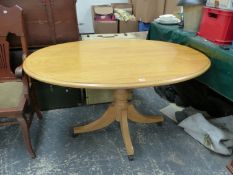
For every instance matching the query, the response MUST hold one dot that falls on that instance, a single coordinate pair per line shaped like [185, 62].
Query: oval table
[121, 65]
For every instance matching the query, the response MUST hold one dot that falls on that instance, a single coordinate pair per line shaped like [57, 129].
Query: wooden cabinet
[47, 21]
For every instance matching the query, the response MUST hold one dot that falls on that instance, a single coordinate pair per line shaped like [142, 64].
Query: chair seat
[10, 94]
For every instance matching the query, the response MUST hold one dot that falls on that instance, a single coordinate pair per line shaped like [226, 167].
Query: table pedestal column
[120, 110]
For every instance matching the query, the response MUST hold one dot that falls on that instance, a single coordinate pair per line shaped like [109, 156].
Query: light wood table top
[120, 65]
[115, 64]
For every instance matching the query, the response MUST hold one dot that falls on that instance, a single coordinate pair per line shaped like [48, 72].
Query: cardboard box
[171, 7]
[103, 26]
[126, 6]
[128, 26]
[133, 2]
[148, 10]
[161, 7]
[103, 10]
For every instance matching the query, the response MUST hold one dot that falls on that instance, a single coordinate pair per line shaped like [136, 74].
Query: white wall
[84, 13]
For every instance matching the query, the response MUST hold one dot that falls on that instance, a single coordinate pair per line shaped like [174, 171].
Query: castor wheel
[74, 135]
[131, 157]
[33, 156]
[160, 123]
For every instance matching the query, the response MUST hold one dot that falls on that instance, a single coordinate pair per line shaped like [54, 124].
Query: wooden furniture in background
[120, 65]
[47, 22]
[15, 94]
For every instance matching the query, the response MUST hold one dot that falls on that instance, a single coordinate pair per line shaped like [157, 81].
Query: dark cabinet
[47, 21]
[55, 97]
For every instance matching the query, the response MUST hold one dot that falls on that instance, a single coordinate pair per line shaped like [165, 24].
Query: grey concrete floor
[159, 150]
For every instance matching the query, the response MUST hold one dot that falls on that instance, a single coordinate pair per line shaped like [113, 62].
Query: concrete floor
[159, 150]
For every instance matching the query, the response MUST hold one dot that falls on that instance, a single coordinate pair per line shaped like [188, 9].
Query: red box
[217, 25]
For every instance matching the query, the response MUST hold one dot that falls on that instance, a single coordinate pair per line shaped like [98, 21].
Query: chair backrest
[5, 69]
[11, 21]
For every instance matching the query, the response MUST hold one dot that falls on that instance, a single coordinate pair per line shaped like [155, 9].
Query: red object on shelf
[105, 17]
[217, 25]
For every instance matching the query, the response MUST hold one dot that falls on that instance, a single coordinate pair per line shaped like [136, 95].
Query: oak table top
[115, 64]
[120, 65]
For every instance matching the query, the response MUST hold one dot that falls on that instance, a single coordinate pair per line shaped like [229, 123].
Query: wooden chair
[16, 93]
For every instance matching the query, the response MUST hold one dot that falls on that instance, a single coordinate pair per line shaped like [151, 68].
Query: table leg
[135, 116]
[120, 110]
[126, 134]
[102, 122]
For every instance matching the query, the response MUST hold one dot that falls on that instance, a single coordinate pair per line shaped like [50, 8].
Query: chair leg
[26, 136]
